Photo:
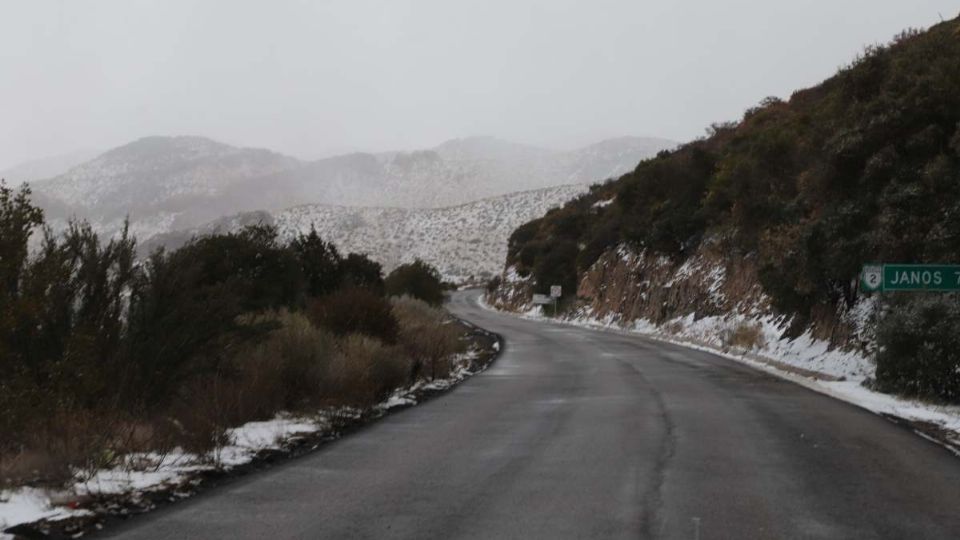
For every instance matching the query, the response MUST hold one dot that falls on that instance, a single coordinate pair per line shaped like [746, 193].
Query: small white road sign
[542, 299]
[556, 291]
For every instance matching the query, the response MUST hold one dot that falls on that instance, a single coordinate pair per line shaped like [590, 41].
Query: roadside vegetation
[102, 354]
[919, 353]
[864, 167]
[417, 279]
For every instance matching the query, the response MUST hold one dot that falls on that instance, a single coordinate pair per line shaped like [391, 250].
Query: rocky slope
[712, 299]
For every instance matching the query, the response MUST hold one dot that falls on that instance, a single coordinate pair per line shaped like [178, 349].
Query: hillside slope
[463, 242]
[161, 183]
[778, 211]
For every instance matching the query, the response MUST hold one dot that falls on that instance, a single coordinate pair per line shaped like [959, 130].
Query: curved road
[576, 433]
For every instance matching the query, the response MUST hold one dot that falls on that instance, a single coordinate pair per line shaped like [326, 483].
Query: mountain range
[166, 184]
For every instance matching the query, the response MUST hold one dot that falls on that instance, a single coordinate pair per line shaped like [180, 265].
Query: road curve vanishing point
[578, 433]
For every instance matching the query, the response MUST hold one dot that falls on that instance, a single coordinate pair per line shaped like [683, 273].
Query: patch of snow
[604, 203]
[249, 439]
[28, 504]
[398, 401]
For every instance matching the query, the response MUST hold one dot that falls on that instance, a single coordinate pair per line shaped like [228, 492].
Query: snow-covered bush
[919, 340]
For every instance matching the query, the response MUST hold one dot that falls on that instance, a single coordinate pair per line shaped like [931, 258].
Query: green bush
[355, 311]
[320, 263]
[360, 272]
[326, 271]
[919, 344]
[557, 266]
[493, 284]
[417, 279]
[263, 273]
[62, 325]
[101, 355]
[182, 323]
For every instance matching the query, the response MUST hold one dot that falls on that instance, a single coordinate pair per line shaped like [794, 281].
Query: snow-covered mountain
[162, 183]
[455, 172]
[170, 183]
[460, 241]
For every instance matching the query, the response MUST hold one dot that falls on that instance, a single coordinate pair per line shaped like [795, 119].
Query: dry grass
[428, 335]
[284, 372]
[675, 327]
[744, 335]
[68, 442]
[365, 371]
[296, 367]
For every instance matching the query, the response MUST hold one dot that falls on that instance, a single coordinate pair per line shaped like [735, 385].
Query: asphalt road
[575, 433]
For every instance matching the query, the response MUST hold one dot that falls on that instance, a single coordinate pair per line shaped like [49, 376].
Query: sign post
[879, 278]
[910, 277]
[556, 291]
[542, 300]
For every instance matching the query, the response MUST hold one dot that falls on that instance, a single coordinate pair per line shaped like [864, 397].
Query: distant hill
[169, 183]
[162, 183]
[463, 241]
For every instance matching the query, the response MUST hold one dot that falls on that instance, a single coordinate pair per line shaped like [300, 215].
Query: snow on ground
[804, 352]
[604, 203]
[777, 356]
[26, 505]
[459, 241]
[143, 472]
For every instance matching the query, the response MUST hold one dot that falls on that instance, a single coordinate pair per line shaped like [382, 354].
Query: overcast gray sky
[314, 78]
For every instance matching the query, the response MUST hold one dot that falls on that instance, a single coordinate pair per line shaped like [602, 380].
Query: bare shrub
[284, 371]
[428, 335]
[744, 335]
[365, 371]
[64, 442]
[290, 365]
[673, 327]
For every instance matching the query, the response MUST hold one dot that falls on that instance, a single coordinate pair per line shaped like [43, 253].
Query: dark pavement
[577, 433]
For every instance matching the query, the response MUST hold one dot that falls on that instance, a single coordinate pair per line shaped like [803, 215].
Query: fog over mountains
[47, 167]
[171, 183]
[453, 205]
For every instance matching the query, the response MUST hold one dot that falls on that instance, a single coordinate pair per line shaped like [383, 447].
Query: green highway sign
[910, 277]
